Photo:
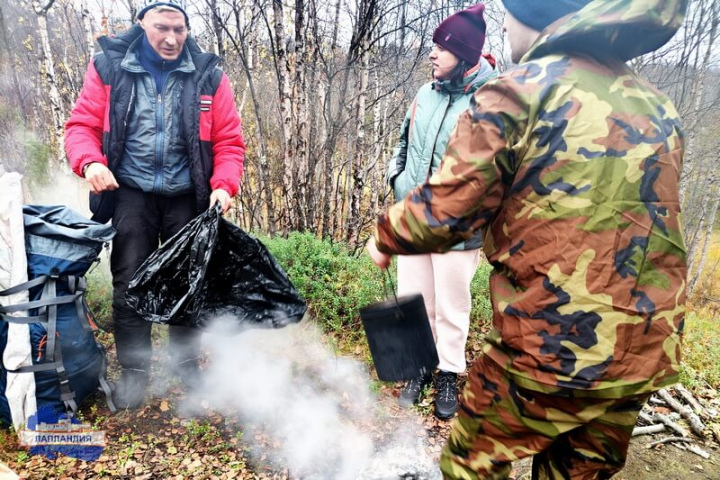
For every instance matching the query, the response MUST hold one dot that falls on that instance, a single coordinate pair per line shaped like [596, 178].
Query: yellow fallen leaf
[164, 406]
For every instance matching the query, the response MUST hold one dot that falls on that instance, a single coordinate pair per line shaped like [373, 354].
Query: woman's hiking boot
[413, 389]
[446, 395]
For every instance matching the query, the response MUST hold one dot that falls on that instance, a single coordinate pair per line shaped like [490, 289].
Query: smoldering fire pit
[401, 461]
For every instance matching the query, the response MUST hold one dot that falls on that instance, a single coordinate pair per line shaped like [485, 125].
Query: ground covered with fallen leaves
[156, 442]
[163, 440]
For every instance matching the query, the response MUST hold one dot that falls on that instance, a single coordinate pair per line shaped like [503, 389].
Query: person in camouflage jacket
[569, 164]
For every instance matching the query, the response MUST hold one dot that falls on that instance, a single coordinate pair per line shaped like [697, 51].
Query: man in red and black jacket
[156, 134]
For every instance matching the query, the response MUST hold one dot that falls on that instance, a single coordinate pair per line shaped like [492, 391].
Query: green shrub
[481, 312]
[99, 296]
[337, 284]
[701, 352]
[334, 283]
[38, 163]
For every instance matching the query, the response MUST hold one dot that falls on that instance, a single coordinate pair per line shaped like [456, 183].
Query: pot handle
[388, 280]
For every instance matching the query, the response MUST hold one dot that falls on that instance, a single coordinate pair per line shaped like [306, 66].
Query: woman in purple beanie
[458, 69]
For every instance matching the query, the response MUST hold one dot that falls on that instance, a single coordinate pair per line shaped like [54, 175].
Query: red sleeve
[84, 129]
[227, 140]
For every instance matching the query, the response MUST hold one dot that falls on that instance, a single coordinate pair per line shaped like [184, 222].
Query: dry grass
[701, 342]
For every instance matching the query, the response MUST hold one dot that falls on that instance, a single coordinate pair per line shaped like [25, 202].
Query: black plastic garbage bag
[212, 268]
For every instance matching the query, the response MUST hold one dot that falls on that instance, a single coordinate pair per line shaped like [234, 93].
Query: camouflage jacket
[570, 165]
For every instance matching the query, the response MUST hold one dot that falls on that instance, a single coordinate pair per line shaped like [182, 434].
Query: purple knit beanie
[463, 34]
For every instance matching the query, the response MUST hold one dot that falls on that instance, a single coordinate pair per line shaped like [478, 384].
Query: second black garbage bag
[212, 269]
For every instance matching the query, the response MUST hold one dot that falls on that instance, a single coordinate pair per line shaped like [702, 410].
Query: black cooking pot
[400, 338]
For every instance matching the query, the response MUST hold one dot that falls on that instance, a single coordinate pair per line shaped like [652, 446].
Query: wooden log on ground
[688, 397]
[667, 440]
[698, 451]
[664, 419]
[693, 420]
[646, 417]
[657, 401]
[648, 430]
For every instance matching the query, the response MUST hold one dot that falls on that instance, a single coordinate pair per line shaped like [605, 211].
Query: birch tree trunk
[358, 159]
[87, 27]
[244, 49]
[299, 102]
[311, 115]
[217, 28]
[48, 69]
[283, 73]
[13, 62]
[376, 174]
[697, 92]
[328, 223]
[359, 52]
[709, 222]
[693, 237]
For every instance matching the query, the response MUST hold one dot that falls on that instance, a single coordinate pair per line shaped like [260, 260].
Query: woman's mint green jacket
[425, 132]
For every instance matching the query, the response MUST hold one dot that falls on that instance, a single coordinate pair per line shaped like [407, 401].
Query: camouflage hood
[623, 29]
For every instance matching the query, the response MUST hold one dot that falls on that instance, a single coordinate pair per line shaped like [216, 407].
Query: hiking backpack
[50, 355]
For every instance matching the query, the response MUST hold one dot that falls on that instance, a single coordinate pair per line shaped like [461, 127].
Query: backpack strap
[53, 352]
[79, 285]
[105, 386]
[45, 301]
[47, 315]
[24, 286]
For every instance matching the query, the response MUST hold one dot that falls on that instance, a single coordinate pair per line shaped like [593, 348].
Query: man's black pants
[142, 221]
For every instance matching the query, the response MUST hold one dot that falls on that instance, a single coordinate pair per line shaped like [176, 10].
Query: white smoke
[317, 408]
[63, 187]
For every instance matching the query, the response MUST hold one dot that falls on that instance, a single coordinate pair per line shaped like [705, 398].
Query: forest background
[322, 87]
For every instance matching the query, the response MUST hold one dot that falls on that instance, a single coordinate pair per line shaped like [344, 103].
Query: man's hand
[221, 196]
[100, 177]
[382, 260]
